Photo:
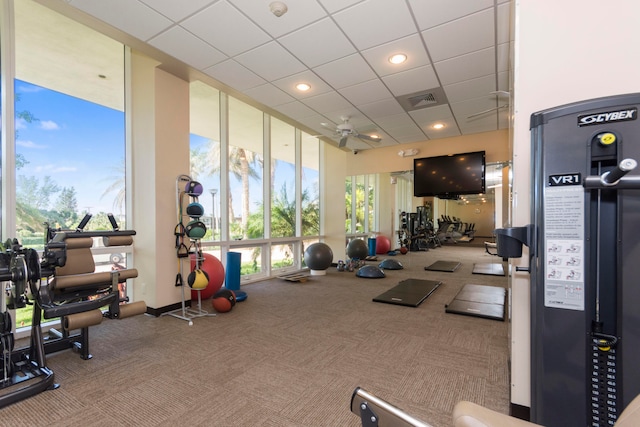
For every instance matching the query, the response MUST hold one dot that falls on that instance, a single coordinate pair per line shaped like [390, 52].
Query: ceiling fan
[345, 129]
[497, 94]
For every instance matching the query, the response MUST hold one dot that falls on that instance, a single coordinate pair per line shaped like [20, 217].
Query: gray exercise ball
[318, 257]
[357, 249]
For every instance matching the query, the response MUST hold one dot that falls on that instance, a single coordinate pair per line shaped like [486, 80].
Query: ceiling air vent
[422, 99]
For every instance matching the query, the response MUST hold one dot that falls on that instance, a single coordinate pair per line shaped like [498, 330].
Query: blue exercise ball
[357, 249]
[318, 256]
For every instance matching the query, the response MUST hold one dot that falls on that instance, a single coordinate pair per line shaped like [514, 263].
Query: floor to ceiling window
[69, 128]
[360, 205]
[204, 114]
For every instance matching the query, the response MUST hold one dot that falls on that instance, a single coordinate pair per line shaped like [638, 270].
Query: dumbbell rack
[185, 312]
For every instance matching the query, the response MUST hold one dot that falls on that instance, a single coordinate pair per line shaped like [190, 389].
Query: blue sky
[77, 143]
[80, 144]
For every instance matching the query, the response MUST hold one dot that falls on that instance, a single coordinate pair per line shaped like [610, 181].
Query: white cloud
[28, 144]
[49, 125]
[21, 123]
[51, 168]
[29, 89]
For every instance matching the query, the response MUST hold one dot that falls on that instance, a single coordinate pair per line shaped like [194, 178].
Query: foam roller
[83, 320]
[132, 309]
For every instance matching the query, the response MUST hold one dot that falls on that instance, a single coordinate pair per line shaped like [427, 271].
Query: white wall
[332, 199]
[565, 51]
[160, 115]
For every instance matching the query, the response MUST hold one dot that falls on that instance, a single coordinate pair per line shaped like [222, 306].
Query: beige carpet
[290, 355]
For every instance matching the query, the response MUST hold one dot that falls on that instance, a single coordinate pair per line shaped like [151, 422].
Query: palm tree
[118, 186]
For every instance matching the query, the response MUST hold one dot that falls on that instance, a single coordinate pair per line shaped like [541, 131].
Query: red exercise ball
[214, 269]
[383, 245]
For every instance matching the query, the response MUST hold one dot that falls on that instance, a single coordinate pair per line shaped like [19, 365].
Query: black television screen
[449, 176]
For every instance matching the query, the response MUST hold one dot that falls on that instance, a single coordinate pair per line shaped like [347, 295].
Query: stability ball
[383, 245]
[318, 257]
[357, 249]
[214, 269]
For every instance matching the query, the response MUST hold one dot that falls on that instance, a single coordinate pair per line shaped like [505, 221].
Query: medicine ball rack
[194, 230]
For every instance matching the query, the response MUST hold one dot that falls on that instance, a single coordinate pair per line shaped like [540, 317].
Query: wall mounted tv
[447, 177]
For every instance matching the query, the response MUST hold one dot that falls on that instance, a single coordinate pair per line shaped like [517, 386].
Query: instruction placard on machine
[564, 247]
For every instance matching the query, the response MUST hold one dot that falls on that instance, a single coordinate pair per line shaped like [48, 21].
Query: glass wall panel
[204, 113]
[246, 166]
[70, 128]
[283, 179]
[370, 203]
[282, 256]
[348, 205]
[360, 196]
[305, 244]
[310, 197]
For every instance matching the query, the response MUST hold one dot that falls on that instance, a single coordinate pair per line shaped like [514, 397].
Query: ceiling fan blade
[490, 110]
[343, 141]
[328, 126]
[368, 137]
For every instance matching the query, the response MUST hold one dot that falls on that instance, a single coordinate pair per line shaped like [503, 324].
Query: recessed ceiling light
[438, 126]
[398, 58]
[303, 87]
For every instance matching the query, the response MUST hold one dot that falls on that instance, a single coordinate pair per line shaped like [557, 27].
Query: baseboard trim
[519, 411]
[157, 312]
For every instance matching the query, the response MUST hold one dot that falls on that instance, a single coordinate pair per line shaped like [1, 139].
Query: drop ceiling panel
[319, 43]
[271, 61]
[288, 84]
[375, 22]
[410, 130]
[234, 75]
[341, 48]
[427, 117]
[443, 41]
[177, 10]
[383, 108]
[474, 88]
[366, 92]
[466, 67]
[395, 121]
[333, 6]
[216, 25]
[411, 81]
[132, 17]
[299, 13]
[269, 95]
[327, 102]
[181, 44]
[346, 71]
[296, 110]
[430, 13]
[412, 46]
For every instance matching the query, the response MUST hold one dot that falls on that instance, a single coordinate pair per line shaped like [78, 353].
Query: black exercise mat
[479, 301]
[448, 266]
[491, 269]
[410, 292]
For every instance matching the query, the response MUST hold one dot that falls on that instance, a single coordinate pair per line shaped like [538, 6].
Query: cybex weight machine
[584, 249]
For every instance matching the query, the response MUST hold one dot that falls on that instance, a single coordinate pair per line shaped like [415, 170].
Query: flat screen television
[447, 177]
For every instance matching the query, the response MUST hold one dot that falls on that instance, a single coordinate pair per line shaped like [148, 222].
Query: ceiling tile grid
[341, 48]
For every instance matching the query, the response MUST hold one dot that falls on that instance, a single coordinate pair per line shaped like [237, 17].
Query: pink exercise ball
[383, 245]
[214, 269]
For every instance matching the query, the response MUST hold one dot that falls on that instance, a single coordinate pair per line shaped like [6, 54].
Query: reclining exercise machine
[63, 284]
[584, 247]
